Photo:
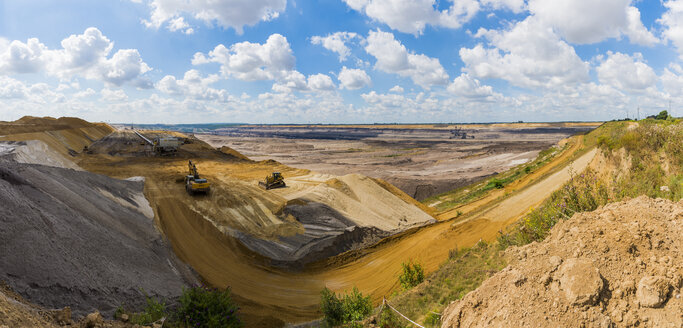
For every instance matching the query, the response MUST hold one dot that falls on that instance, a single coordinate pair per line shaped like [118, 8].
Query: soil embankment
[620, 265]
[74, 238]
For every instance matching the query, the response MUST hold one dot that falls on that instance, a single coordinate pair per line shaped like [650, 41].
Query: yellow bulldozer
[273, 181]
[193, 183]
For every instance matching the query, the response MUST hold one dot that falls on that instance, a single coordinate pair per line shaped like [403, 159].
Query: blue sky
[340, 61]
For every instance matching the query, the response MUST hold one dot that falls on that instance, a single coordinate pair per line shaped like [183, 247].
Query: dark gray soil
[327, 233]
[64, 243]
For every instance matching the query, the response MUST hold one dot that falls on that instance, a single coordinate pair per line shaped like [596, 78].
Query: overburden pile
[84, 240]
[621, 265]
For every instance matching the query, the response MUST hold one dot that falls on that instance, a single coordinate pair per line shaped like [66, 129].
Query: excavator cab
[273, 181]
[195, 184]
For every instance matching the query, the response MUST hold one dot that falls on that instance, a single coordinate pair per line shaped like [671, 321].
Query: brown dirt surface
[618, 266]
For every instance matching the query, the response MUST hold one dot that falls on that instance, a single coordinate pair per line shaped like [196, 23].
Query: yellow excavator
[195, 184]
[273, 181]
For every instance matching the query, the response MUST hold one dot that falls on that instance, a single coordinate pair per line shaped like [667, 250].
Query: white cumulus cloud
[252, 61]
[590, 21]
[526, 55]
[469, 87]
[353, 78]
[393, 57]
[226, 13]
[626, 72]
[413, 16]
[84, 55]
[672, 21]
[336, 42]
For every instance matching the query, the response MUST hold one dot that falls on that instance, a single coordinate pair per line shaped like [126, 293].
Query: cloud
[396, 89]
[672, 21]
[516, 6]
[625, 72]
[83, 55]
[226, 13]
[252, 61]
[11, 88]
[353, 79]
[468, 87]
[336, 42]
[273, 60]
[320, 82]
[117, 95]
[589, 21]
[413, 16]
[179, 24]
[672, 80]
[193, 85]
[527, 55]
[393, 57]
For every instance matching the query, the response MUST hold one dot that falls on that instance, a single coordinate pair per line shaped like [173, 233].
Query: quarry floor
[421, 160]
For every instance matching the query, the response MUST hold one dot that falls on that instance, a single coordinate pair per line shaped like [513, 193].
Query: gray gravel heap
[64, 243]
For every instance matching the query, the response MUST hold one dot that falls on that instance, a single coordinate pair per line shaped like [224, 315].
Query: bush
[202, 307]
[154, 311]
[350, 308]
[412, 275]
[663, 115]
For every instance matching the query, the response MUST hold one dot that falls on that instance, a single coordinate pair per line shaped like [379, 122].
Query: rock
[652, 291]
[580, 281]
[124, 317]
[93, 320]
[63, 316]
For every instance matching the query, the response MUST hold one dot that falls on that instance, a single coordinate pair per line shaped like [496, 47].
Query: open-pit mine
[105, 211]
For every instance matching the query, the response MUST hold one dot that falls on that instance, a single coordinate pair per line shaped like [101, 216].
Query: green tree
[663, 115]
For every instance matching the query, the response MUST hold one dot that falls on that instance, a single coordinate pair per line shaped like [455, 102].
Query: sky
[340, 61]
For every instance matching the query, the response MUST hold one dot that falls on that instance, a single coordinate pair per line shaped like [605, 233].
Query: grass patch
[464, 271]
[469, 193]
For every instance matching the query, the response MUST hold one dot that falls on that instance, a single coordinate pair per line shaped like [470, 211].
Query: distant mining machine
[273, 181]
[193, 183]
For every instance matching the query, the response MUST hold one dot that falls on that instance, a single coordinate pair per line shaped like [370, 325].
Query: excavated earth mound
[84, 240]
[619, 266]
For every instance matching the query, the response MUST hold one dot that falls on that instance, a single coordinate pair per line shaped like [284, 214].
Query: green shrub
[412, 275]
[663, 115]
[350, 308]
[356, 306]
[331, 307]
[388, 319]
[154, 311]
[203, 307]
